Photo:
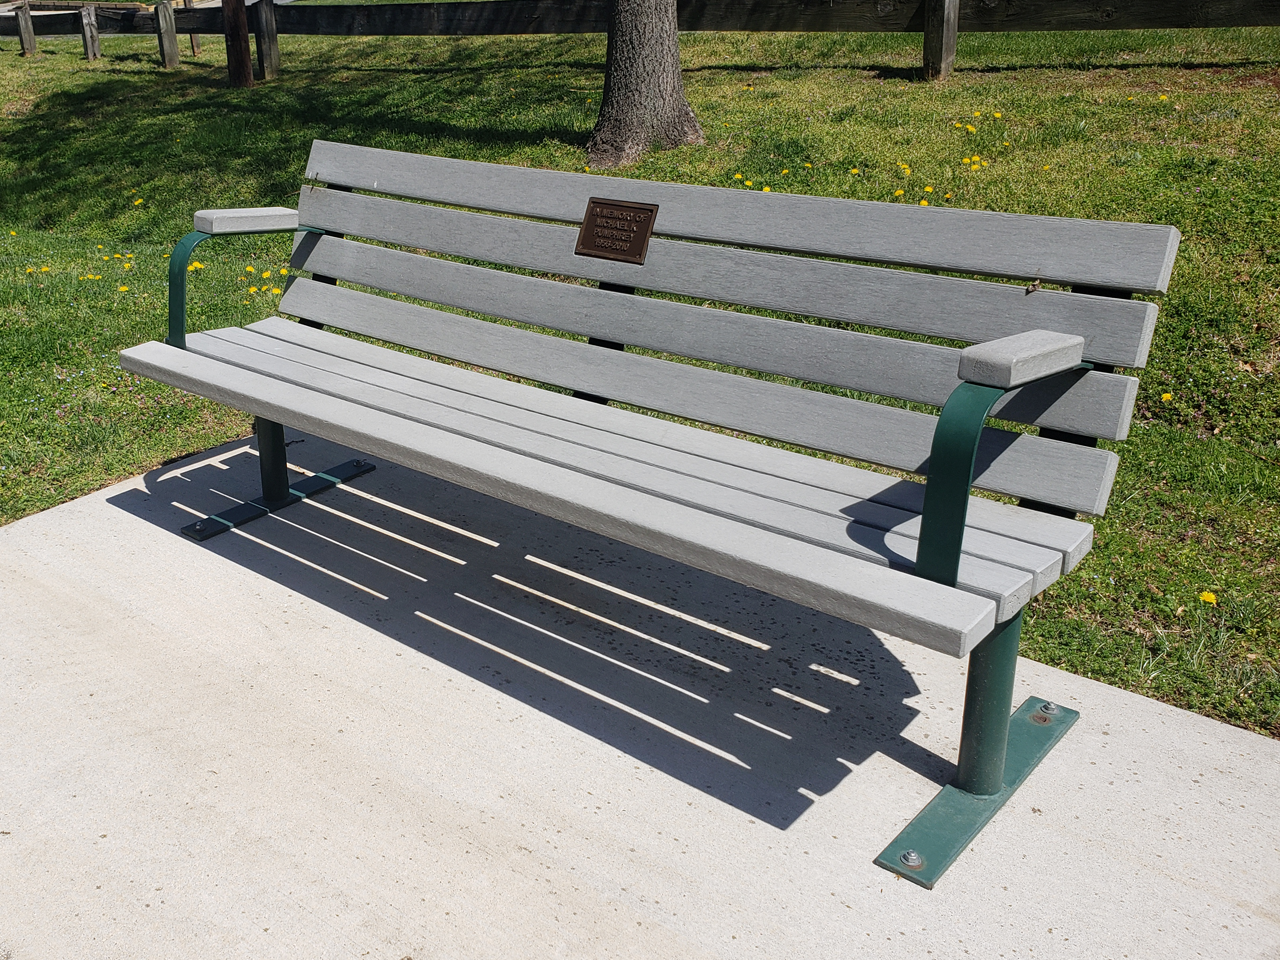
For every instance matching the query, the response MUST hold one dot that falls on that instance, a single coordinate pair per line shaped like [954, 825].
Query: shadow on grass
[184, 133]
[674, 676]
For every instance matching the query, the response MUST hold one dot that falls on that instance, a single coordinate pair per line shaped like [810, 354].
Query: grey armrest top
[1021, 358]
[246, 220]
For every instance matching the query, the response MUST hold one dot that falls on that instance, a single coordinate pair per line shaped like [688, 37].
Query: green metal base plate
[243, 513]
[940, 832]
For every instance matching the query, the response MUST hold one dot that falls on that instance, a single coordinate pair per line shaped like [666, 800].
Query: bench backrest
[716, 251]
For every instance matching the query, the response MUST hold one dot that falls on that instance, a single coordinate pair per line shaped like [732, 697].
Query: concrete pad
[325, 737]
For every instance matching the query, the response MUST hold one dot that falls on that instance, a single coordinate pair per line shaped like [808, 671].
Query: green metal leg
[272, 463]
[277, 491]
[988, 698]
[997, 753]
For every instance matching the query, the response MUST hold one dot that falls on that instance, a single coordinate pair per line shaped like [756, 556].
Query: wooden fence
[939, 20]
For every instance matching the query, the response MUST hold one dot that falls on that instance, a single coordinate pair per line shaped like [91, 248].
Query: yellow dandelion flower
[106, 258]
[14, 233]
[166, 256]
[190, 267]
[128, 266]
[122, 289]
[765, 190]
[928, 189]
[1166, 397]
[976, 166]
[588, 169]
[976, 158]
[44, 269]
[898, 193]
[253, 289]
[138, 201]
[1046, 166]
[249, 269]
[31, 269]
[99, 246]
[1163, 97]
[947, 197]
[1006, 143]
[1209, 597]
[275, 289]
[810, 165]
[284, 272]
[737, 176]
[853, 169]
[1131, 98]
[748, 182]
[127, 255]
[198, 265]
[117, 256]
[924, 203]
[971, 128]
[997, 116]
[967, 160]
[958, 124]
[984, 163]
[977, 113]
[786, 171]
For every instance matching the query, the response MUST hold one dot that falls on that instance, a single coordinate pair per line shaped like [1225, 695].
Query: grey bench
[752, 313]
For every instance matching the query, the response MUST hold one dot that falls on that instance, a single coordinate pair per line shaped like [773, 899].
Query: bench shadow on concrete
[689, 689]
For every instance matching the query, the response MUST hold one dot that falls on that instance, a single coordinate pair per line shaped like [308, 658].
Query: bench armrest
[989, 371]
[216, 223]
[1013, 361]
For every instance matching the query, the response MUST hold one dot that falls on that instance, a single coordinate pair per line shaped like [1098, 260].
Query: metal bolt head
[910, 858]
[1051, 709]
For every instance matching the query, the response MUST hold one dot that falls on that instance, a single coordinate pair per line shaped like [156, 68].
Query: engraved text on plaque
[616, 230]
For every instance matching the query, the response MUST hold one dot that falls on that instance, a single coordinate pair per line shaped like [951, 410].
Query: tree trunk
[644, 102]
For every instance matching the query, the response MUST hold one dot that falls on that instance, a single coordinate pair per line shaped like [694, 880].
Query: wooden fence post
[941, 21]
[239, 60]
[26, 32]
[268, 42]
[89, 32]
[167, 34]
[195, 37]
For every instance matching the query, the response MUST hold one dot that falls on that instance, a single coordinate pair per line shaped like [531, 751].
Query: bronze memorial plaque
[616, 230]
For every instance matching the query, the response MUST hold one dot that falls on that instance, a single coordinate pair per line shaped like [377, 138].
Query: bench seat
[687, 486]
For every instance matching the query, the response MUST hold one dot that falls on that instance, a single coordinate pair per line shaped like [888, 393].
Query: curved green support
[946, 493]
[178, 261]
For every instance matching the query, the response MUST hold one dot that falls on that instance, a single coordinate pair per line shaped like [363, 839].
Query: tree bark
[644, 102]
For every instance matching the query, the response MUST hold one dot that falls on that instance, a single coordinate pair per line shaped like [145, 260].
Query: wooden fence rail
[939, 19]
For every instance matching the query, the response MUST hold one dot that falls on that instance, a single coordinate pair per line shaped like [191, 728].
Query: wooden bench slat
[1009, 587]
[1121, 256]
[943, 618]
[1116, 331]
[477, 415]
[1066, 475]
[1090, 404]
[1071, 539]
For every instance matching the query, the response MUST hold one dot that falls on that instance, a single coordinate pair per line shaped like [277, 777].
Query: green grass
[1164, 127]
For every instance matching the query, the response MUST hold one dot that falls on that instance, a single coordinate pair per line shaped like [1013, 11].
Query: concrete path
[352, 731]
